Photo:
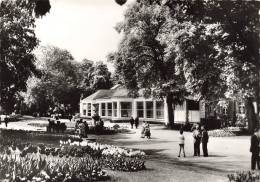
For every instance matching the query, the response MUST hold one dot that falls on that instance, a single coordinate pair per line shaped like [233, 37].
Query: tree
[142, 59]
[93, 77]
[223, 42]
[58, 85]
[17, 42]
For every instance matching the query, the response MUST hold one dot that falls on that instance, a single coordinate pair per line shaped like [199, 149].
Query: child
[181, 139]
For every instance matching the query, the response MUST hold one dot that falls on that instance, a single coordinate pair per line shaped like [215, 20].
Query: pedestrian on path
[205, 139]
[6, 122]
[181, 140]
[254, 149]
[136, 122]
[143, 129]
[132, 121]
[197, 139]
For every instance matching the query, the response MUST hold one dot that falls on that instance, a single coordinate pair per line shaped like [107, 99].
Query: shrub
[244, 176]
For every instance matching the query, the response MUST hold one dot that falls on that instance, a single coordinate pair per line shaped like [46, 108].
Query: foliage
[143, 60]
[221, 133]
[244, 176]
[33, 168]
[17, 43]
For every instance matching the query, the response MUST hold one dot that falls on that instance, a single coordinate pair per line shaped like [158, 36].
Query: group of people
[145, 127]
[134, 122]
[199, 136]
[56, 127]
[82, 128]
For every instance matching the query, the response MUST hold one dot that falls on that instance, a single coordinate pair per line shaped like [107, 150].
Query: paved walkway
[226, 154]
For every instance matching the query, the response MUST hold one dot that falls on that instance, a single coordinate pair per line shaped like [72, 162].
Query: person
[254, 149]
[197, 139]
[136, 122]
[6, 121]
[70, 117]
[205, 139]
[143, 129]
[181, 139]
[132, 121]
[81, 129]
[147, 130]
[86, 129]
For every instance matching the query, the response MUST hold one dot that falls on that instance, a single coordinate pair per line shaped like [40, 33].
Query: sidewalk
[226, 154]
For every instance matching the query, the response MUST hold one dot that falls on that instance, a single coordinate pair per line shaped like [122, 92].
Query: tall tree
[223, 41]
[143, 60]
[17, 42]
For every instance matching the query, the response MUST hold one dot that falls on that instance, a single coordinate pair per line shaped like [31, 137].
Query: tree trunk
[251, 116]
[169, 101]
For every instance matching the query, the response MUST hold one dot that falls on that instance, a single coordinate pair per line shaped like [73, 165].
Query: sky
[84, 27]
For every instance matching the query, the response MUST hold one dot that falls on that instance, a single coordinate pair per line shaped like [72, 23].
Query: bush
[244, 176]
[211, 123]
[116, 126]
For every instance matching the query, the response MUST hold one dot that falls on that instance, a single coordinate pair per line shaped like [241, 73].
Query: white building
[115, 104]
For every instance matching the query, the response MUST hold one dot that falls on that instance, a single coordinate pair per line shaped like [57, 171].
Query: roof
[117, 92]
[100, 94]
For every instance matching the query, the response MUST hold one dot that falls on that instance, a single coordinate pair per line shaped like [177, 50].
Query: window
[126, 109]
[89, 109]
[84, 109]
[140, 109]
[115, 108]
[159, 109]
[109, 109]
[103, 109]
[149, 109]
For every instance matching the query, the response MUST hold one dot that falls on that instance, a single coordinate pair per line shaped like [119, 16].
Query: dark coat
[254, 148]
[205, 137]
[132, 121]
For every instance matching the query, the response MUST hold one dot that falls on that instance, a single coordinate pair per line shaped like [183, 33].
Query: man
[136, 122]
[197, 140]
[132, 121]
[254, 148]
[205, 139]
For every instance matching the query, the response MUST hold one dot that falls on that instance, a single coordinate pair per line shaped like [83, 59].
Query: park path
[226, 154]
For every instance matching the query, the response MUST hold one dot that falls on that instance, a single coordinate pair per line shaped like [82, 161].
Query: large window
[126, 109]
[89, 109]
[115, 109]
[140, 109]
[103, 109]
[159, 110]
[84, 109]
[109, 109]
[149, 109]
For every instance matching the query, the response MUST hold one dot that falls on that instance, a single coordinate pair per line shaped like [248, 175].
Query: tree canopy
[17, 42]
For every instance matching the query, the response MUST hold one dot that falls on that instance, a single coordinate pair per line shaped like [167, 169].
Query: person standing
[205, 139]
[6, 121]
[254, 149]
[132, 121]
[136, 122]
[181, 140]
[197, 140]
[143, 129]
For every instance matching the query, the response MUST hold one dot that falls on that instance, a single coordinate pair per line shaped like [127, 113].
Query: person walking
[181, 140]
[86, 129]
[254, 149]
[136, 122]
[132, 121]
[197, 140]
[205, 139]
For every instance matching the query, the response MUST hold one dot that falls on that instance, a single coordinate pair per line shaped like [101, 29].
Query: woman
[147, 130]
[143, 129]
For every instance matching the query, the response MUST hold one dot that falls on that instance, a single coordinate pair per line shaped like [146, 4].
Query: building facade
[115, 104]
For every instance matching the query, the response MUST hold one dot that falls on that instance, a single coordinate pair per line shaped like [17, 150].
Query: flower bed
[244, 176]
[221, 133]
[105, 156]
[34, 168]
